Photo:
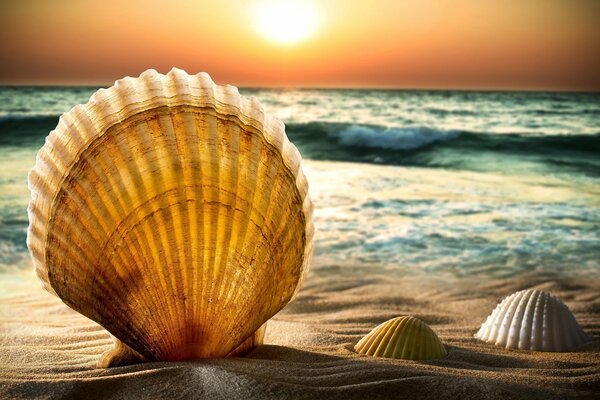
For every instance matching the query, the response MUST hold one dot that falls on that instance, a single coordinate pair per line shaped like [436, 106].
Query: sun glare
[286, 21]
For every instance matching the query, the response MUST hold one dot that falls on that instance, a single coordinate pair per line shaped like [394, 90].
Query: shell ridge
[526, 327]
[409, 333]
[579, 336]
[180, 83]
[242, 228]
[159, 238]
[426, 338]
[388, 349]
[403, 336]
[371, 344]
[366, 341]
[503, 323]
[55, 143]
[219, 264]
[211, 266]
[428, 344]
[382, 339]
[299, 269]
[557, 341]
[132, 220]
[34, 231]
[146, 236]
[181, 80]
[512, 339]
[194, 195]
[246, 217]
[422, 339]
[141, 258]
[149, 320]
[496, 318]
[484, 332]
[78, 256]
[538, 320]
[178, 218]
[570, 340]
[167, 244]
[405, 353]
[197, 228]
[210, 228]
[248, 121]
[545, 321]
[289, 152]
[106, 288]
[418, 334]
[308, 239]
[265, 194]
[277, 238]
[228, 234]
[282, 231]
[393, 352]
[50, 162]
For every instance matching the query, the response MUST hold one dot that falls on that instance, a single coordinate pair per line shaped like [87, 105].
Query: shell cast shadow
[121, 354]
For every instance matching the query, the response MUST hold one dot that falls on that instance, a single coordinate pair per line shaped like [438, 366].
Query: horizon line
[316, 87]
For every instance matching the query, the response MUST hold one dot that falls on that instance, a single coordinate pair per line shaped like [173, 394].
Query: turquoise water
[403, 181]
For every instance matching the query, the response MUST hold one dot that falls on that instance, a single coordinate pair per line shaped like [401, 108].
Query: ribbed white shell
[532, 320]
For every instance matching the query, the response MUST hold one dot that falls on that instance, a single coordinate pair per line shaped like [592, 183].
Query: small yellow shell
[404, 337]
[173, 212]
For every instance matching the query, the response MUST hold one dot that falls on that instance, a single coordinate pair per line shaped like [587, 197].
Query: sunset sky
[465, 44]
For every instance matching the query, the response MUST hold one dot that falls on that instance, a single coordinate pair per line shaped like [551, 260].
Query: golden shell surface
[405, 337]
[532, 320]
[173, 212]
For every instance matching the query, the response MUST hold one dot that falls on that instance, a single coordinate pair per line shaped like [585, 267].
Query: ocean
[452, 183]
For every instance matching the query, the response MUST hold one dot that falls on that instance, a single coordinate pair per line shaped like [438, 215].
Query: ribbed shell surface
[532, 320]
[404, 337]
[173, 212]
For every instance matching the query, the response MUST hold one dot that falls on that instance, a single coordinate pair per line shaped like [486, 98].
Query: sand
[49, 351]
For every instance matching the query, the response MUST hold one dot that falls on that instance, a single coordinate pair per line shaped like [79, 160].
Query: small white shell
[532, 320]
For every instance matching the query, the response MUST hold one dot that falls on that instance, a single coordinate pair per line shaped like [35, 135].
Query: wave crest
[392, 138]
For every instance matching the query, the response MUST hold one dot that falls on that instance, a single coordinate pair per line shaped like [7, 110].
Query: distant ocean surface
[403, 181]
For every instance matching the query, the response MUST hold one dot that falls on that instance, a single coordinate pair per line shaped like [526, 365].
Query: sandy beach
[49, 351]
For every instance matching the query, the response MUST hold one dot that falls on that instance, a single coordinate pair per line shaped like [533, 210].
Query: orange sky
[471, 44]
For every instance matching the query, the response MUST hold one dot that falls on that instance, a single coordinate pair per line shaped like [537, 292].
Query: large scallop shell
[404, 337]
[173, 212]
[532, 320]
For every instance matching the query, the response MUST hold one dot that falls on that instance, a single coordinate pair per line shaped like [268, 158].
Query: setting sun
[286, 22]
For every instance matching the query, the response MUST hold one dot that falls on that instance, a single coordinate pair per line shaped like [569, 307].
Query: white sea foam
[392, 138]
[410, 220]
